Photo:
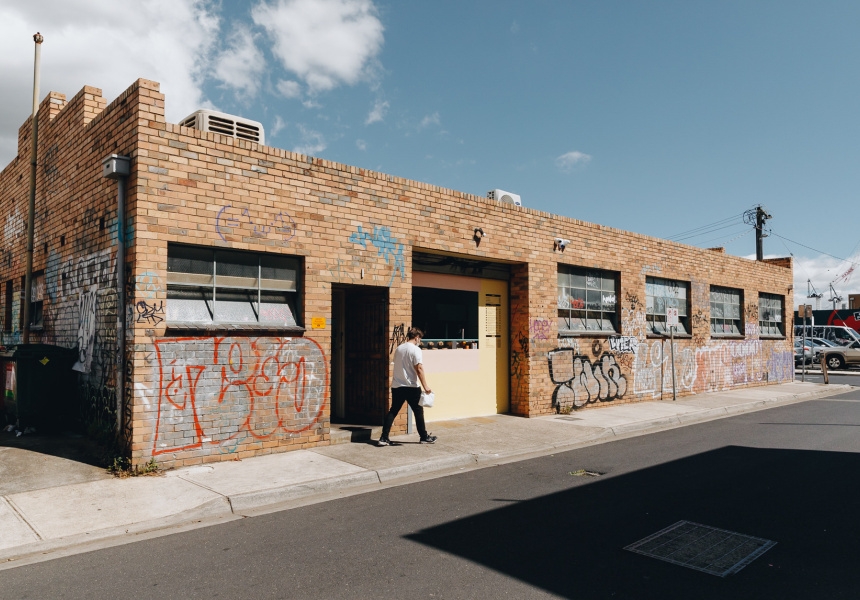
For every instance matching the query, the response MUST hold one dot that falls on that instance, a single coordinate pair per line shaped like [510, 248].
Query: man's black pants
[399, 395]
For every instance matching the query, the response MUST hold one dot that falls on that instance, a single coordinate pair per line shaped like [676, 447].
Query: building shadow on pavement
[571, 543]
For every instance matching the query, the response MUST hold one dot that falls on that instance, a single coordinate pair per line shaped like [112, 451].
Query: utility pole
[758, 216]
[31, 212]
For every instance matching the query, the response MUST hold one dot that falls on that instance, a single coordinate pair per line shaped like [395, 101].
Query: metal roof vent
[504, 196]
[218, 122]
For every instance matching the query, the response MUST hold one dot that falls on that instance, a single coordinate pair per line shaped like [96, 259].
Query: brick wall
[74, 236]
[219, 394]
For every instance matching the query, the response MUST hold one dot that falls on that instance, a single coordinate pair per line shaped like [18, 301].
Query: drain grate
[569, 418]
[707, 549]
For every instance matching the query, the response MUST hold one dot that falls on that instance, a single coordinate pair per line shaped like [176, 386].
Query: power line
[690, 232]
[851, 262]
[678, 239]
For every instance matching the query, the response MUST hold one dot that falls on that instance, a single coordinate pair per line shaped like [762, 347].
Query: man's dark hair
[413, 333]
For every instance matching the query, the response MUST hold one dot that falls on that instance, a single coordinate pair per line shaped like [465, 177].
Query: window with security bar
[661, 294]
[726, 313]
[770, 321]
[211, 286]
[587, 300]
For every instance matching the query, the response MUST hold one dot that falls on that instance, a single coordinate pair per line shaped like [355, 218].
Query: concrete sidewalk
[89, 509]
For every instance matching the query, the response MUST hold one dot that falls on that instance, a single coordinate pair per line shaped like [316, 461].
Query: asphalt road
[531, 529]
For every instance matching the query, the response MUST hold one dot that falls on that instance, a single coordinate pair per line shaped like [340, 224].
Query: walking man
[408, 371]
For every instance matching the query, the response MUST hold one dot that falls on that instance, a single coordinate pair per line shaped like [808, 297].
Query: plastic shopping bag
[427, 399]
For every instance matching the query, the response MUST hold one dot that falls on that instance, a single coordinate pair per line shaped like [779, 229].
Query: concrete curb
[250, 501]
[443, 463]
[215, 509]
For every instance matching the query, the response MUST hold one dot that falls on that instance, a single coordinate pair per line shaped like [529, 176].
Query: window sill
[231, 327]
[772, 337]
[666, 336]
[728, 336]
[579, 334]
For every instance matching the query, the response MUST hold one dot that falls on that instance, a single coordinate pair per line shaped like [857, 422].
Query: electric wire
[737, 237]
[678, 239]
[692, 232]
[814, 249]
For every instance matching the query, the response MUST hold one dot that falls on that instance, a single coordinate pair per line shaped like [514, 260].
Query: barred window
[726, 311]
[208, 285]
[586, 300]
[661, 294]
[770, 321]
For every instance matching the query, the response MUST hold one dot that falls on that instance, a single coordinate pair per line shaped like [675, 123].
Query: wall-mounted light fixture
[478, 235]
[560, 244]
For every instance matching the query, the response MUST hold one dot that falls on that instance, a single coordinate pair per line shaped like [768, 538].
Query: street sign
[806, 311]
[671, 317]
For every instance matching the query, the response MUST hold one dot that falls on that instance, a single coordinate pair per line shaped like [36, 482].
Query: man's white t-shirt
[406, 357]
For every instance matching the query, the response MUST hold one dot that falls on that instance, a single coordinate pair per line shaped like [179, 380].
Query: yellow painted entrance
[469, 381]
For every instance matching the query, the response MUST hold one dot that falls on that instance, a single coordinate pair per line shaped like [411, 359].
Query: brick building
[266, 290]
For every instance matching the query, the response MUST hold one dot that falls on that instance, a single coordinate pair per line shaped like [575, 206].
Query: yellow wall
[465, 387]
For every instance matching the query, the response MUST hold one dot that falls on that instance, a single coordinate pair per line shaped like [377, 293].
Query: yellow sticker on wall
[318, 323]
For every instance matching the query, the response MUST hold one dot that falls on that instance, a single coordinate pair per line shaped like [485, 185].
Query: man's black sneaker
[383, 442]
[430, 439]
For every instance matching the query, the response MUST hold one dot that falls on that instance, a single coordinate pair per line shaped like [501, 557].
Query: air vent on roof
[218, 122]
[504, 196]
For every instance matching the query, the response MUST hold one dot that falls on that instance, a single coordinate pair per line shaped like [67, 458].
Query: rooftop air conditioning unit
[218, 122]
[504, 196]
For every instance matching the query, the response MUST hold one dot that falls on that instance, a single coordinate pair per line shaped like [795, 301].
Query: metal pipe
[31, 211]
[120, 305]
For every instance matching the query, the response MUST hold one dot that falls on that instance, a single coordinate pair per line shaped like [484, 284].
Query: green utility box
[39, 386]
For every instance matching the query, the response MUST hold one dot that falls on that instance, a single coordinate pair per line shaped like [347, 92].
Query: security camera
[561, 244]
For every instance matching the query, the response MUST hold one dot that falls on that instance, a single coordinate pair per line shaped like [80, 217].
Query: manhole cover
[707, 549]
[569, 418]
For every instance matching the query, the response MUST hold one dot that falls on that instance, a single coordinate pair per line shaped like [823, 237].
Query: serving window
[448, 318]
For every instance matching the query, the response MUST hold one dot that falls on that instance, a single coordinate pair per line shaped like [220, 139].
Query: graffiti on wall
[716, 366]
[151, 313]
[622, 344]
[146, 285]
[280, 226]
[78, 274]
[540, 329]
[579, 381]
[652, 368]
[398, 336]
[226, 390]
[386, 246]
[87, 301]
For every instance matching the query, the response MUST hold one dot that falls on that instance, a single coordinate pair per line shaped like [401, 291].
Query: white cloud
[361, 145]
[377, 113]
[821, 271]
[568, 161]
[289, 88]
[312, 142]
[429, 120]
[326, 43]
[106, 44]
[241, 64]
[278, 125]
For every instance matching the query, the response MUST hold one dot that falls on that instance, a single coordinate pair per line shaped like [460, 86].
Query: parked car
[842, 356]
[818, 345]
[802, 354]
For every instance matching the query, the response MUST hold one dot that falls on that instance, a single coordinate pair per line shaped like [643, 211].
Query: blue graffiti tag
[386, 246]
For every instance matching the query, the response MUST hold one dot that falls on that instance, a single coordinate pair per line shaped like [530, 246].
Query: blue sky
[655, 117]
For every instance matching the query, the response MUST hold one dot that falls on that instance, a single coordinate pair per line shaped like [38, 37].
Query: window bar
[214, 285]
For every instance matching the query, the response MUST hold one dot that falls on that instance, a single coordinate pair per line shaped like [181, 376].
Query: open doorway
[359, 382]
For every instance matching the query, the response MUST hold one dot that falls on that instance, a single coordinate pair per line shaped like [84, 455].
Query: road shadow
[571, 543]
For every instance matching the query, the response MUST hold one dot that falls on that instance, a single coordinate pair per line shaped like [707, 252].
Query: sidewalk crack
[21, 516]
